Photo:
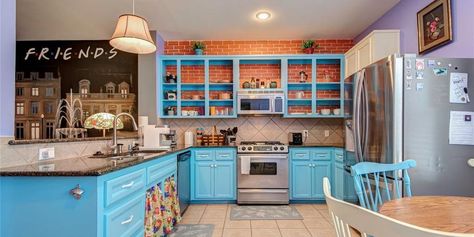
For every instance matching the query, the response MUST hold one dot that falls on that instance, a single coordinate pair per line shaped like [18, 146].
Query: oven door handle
[253, 157]
[263, 191]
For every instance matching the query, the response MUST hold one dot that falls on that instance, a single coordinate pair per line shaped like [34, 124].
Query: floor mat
[264, 213]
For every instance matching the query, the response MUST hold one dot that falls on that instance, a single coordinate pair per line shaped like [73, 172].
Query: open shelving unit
[216, 80]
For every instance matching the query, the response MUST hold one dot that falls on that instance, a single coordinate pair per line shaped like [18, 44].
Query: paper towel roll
[142, 120]
[188, 139]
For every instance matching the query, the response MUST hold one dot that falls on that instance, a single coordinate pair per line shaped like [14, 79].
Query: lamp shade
[132, 35]
[102, 121]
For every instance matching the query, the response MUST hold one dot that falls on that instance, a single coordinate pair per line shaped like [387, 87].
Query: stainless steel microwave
[261, 102]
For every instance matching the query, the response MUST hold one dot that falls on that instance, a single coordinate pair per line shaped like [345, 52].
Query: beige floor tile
[218, 223]
[266, 233]
[323, 232]
[196, 207]
[294, 233]
[214, 214]
[189, 221]
[217, 232]
[193, 214]
[216, 207]
[237, 233]
[308, 211]
[317, 223]
[239, 224]
[290, 224]
[320, 206]
[263, 224]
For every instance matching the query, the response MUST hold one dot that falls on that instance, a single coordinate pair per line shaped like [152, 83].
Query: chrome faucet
[114, 138]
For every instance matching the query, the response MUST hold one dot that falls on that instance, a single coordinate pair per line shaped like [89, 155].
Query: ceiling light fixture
[263, 15]
[132, 34]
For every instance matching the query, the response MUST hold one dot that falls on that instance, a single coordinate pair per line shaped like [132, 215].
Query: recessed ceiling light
[263, 15]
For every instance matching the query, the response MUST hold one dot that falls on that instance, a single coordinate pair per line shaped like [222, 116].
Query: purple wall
[7, 67]
[403, 16]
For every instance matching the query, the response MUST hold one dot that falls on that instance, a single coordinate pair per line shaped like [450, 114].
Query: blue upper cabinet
[308, 168]
[213, 176]
[207, 86]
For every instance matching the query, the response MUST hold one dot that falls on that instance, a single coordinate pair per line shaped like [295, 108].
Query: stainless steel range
[262, 173]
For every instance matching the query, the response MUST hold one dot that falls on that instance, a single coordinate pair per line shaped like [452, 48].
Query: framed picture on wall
[434, 25]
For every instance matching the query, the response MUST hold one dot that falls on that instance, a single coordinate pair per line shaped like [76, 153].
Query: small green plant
[198, 45]
[308, 44]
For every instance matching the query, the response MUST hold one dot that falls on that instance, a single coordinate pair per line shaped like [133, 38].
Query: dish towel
[245, 164]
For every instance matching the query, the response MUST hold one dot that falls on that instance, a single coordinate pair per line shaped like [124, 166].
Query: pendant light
[132, 34]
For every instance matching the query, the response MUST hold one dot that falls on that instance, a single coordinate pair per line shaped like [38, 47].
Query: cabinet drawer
[225, 154]
[203, 155]
[120, 187]
[126, 220]
[322, 155]
[338, 157]
[300, 155]
[155, 172]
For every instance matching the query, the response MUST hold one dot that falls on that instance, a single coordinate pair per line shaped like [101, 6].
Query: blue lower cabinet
[301, 179]
[224, 180]
[127, 220]
[215, 177]
[321, 169]
[203, 180]
[308, 168]
[338, 190]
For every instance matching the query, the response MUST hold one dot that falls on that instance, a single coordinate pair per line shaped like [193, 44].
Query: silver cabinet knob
[77, 192]
[470, 162]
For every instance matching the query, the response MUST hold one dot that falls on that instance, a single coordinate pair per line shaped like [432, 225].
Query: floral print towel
[162, 209]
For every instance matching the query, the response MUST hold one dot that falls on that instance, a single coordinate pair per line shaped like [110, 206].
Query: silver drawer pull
[224, 155]
[203, 155]
[300, 155]
[127, 221]
[128, 185]
[77, 192]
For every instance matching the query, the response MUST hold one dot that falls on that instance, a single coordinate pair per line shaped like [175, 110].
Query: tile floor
[316, 223]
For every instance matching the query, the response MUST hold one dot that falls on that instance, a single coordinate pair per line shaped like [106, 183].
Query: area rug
[184, 230]
[264, 213]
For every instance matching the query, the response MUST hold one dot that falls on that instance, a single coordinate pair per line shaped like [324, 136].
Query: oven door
[268, 171]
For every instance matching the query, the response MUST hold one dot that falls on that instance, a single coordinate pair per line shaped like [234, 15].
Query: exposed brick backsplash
[220, 72]
[229, 47]
[295, 69]
[264, 72]
[332, 71]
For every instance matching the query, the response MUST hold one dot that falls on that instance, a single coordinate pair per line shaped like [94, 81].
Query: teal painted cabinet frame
[206, 61]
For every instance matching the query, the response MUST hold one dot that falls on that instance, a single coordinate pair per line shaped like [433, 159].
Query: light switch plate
[326, 133]
[46, 153]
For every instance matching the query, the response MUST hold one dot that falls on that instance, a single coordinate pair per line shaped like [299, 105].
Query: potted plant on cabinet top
[198, 47]
[309, 46]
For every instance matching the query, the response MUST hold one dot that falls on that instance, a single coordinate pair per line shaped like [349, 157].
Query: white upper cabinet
[377, 45]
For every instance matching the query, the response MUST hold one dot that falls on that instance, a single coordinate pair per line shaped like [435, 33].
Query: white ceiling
[203, 19]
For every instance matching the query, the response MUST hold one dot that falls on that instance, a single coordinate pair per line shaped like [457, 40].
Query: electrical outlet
[326, 133]
[305, 133]
[46, 153]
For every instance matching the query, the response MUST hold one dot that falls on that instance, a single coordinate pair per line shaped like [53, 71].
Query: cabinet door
[203, 180]
[301, 180]
[351, 63]
[339, 180]
[321, 169]
[224, 180]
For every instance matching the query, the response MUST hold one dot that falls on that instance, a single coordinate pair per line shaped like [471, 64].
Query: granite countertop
[337, 145]
[85, 166]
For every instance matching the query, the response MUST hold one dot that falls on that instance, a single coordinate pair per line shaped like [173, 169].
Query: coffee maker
[295, 138]
[158, 138]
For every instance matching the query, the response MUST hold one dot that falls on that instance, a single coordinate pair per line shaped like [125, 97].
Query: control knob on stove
[243, 148]
[282, 148]
[250, 148]
[275, 148]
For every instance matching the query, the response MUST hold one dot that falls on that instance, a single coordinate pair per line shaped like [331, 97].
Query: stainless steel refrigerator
[399, 108]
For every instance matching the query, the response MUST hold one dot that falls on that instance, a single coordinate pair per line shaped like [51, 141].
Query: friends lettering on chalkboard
[66, 54]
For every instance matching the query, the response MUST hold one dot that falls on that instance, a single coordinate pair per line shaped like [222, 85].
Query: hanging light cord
[133, 7]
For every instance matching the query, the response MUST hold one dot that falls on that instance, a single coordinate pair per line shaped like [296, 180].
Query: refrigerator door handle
[366, 120]
[357, 116]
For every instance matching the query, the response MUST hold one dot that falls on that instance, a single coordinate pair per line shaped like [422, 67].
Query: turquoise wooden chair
[373, 194]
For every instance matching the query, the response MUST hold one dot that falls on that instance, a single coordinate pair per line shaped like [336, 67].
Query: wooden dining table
[443, 213]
